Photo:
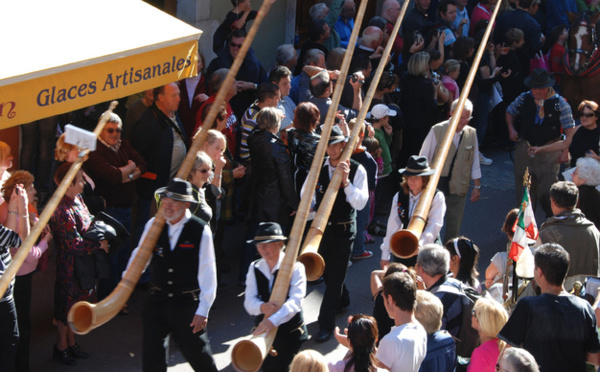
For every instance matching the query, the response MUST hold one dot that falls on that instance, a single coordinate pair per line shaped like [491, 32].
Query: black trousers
[9, 334]
[162, 317]
[335, 249]
[287, 344]
[23, 305]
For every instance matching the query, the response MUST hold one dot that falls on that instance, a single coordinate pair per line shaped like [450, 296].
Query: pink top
[485, 357]
[452, 87]
[480, 12]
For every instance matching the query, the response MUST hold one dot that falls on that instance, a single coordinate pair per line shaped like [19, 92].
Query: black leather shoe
[63, 356]
[76, 352]
[323, 336]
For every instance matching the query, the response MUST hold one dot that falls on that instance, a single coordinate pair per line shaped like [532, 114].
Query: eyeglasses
[588, 115]
[203, 171]
[234, 45]
[112, 130]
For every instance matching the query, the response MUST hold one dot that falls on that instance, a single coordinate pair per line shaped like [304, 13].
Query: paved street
[116, 346]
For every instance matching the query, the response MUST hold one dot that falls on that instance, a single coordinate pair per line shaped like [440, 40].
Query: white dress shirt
[296, 293]
[428, 150]
[207, 269]
[357, 192]
[435, 221]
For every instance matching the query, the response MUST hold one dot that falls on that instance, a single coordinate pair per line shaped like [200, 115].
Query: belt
[346, 224]
[194, 294]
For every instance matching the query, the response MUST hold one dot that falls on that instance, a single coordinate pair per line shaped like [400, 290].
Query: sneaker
[363, 256]
[485, 161]
[349, 263]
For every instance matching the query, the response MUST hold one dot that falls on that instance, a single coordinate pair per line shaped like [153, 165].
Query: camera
[435, 77]
[355, 77]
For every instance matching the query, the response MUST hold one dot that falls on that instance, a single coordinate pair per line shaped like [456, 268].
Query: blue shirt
[556, 13]
[460, 15]
[344, 29]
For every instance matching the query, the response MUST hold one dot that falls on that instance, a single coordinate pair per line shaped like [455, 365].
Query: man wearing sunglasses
[113, 167]
[249, 76]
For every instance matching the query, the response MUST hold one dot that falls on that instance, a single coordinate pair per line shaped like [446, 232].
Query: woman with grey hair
[515, 359]
[587, 177]
[201, 174]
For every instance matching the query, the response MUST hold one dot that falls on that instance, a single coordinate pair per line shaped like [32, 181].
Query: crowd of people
[431, 313]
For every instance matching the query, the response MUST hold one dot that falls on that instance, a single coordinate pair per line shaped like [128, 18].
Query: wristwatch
[131, 176]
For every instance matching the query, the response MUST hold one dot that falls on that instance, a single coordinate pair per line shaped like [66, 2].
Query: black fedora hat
[179, 190]
[336, 136]
[417, 166]
[268, 232]
[539, 79]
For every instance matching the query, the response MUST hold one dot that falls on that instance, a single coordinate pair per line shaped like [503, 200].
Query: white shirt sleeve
[435, 219]
[357, 192]
[207, 273]
[476, 167]
[394, 224]
[296, 294]
[251, 301]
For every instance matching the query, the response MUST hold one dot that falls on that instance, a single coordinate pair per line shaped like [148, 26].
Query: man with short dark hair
[575, 233]
[418, 20]
[446, 12]
[557, 328]
[250, 74]
[404, 348]
[282, 77]
[300, 91]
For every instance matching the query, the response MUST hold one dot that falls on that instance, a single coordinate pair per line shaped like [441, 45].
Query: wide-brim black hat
[336, 136]
[179, 190]
[417, 166]
[539, 79]
[268, 232]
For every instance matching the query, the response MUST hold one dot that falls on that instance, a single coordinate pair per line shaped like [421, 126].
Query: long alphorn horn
[83, 316]
[23, 251]
[248, 355]
[405, 243]
[315, 266]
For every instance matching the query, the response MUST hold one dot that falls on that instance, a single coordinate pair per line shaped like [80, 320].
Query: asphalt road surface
[116, 346]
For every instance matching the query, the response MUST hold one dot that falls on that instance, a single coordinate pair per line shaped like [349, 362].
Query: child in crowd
[360, 338]
[555, 49]
[451, 72]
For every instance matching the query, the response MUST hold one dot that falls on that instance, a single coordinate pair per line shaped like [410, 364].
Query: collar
[366, 48]
[114, 148]
[414, 197]
[181, 222]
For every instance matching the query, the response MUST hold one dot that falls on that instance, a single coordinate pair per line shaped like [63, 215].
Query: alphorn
[315, 266]
[248, 355]
[405, 243]
[35, 232]
[84, 316]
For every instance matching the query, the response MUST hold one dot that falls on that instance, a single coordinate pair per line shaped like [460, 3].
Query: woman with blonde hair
[488, 319]
[309, 361]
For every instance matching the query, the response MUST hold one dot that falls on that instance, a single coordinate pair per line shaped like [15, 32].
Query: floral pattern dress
[70, 220]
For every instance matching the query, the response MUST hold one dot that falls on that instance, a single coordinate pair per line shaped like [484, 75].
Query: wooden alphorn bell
[405, 243]
[248, 355]
[84, 316]
[315, 266]
[48, 211]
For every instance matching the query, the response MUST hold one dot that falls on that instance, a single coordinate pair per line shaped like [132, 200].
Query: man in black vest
[338, 238]
[183, 284]
[288, 317]
[535, 119]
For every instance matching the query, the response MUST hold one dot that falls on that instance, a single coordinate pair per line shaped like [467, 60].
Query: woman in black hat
[415, 177]
[269, 241]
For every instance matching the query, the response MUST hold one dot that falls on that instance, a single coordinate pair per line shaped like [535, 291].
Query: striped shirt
[248, 124]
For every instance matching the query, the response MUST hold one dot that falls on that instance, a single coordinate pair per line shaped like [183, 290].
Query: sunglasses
[234, 45]
[112, 130]
[588, 115]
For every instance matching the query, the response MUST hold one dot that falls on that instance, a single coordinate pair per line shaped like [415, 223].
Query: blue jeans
[362, 219]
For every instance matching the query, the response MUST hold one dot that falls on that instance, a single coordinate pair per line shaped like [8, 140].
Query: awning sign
[42, 97]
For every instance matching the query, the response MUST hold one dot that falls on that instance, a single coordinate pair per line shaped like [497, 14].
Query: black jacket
[273, 194]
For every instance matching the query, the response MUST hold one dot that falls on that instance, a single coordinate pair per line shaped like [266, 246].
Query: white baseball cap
[380, 110]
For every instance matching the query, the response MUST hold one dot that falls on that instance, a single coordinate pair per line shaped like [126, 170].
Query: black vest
[177, 271]
[264, 293]
[536, 134]
[342, 211]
